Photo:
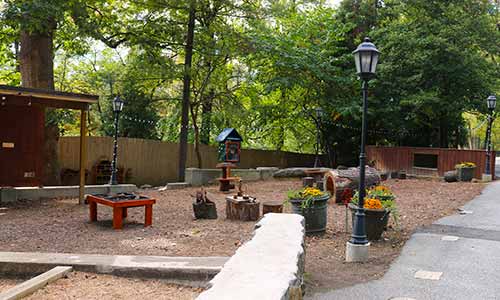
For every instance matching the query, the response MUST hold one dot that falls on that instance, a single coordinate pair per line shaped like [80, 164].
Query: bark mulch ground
[7, 283]
[58, 225]
[88, 286]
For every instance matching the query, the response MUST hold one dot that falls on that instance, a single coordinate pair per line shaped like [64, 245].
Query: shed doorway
[21, 143]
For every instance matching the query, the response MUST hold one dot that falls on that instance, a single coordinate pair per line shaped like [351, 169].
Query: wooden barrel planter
[465, 174]
[315, 215]
[375, 221]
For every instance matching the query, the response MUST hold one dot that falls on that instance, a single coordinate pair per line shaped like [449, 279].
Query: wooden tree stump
[243, 210]
[272, 207]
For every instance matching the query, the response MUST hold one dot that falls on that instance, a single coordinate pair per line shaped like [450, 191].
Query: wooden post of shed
[83, 154]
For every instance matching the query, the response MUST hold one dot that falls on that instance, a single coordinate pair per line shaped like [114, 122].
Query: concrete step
[193, 271]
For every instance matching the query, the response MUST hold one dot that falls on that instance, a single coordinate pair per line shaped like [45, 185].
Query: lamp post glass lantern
[491, 102]
[117, 108]
[366, 59]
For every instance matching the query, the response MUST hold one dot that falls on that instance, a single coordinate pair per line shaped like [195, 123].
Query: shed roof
[229, 134]
[48, 97]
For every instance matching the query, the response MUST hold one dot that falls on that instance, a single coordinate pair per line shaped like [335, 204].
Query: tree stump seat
[272, 207]
[242, 209]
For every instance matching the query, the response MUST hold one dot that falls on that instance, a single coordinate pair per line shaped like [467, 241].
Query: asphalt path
[456, 258]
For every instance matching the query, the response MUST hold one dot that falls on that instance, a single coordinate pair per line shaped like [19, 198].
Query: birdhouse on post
[229, 145]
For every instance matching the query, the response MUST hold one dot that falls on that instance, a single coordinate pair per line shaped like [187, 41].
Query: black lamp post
[319, 115]
[492, 103]
[366, 59]
[117, 108]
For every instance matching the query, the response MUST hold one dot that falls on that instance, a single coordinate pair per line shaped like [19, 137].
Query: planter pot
[375, 220]
[315, 215]
[384, 176]
[465, 174]
[205, 210]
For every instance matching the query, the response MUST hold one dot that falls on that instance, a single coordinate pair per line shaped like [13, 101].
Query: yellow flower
[314, 192]
[381, 188]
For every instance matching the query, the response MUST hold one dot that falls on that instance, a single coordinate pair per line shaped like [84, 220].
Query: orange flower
[371, 203]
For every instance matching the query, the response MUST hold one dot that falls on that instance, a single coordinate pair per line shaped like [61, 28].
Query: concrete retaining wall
[197, 177]
[36, 193]
[269, 266]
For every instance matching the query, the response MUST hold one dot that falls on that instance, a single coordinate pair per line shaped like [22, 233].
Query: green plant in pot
[312, 204]
[465, 171]
[379, 205]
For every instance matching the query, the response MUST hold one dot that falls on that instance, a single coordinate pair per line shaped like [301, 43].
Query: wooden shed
[426, 161]
[22, 123]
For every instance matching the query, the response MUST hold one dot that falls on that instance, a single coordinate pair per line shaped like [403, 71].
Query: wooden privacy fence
[155, 162]
[426, 161]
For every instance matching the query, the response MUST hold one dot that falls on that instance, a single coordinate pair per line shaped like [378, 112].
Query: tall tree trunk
[186, 93]
[36, 58]
[206, 118]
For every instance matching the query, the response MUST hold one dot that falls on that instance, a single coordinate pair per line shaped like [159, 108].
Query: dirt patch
[80, 285]
[62, 226]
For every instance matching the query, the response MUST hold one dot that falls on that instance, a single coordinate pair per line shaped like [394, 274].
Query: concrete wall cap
[267, 266]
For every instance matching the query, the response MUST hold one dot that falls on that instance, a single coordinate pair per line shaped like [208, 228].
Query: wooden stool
[272, 207]
[241, 209]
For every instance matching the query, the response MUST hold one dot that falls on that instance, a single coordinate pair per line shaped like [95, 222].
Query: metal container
[315, 215]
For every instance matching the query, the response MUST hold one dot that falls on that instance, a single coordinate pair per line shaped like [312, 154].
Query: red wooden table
[120, 209]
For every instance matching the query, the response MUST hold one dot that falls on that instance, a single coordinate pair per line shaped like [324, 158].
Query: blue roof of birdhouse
[229, 134]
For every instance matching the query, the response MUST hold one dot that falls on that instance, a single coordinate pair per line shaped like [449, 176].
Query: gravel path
[62, 226]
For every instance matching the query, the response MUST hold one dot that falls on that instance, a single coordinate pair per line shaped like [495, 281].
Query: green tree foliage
[436, 65]
[264, 66]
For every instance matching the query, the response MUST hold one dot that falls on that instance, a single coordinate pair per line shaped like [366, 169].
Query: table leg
[124, 213]
[117, 218]
[93, 211]
[148, 215]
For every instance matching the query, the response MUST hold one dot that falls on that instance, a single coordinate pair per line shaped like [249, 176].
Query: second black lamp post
[492, 103]
[366, 59]
[117, 108]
